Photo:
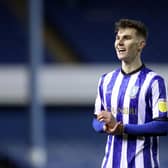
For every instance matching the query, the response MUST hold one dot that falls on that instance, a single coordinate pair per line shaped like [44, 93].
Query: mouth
[121, 50]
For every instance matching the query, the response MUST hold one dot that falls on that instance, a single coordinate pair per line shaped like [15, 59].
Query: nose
[120, 42]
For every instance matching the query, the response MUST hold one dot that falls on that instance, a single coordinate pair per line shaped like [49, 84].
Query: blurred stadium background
[77, 49]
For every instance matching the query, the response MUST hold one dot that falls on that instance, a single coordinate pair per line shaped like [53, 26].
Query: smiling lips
[121, 50]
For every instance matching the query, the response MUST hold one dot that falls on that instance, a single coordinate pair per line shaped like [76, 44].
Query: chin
[121, 58]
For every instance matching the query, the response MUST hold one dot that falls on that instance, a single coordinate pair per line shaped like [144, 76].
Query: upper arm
[159, 98]
[99, 105]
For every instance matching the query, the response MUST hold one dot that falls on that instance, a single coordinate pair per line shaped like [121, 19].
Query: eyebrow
[124, 36]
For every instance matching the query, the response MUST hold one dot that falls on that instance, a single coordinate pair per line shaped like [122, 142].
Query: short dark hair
[130, 23]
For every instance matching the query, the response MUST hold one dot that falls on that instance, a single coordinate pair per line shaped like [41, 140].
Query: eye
[127, 37]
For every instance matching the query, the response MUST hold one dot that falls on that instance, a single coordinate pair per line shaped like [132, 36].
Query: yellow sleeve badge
[163, 105]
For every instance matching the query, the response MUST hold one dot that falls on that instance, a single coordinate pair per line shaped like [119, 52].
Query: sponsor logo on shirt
[124, 110]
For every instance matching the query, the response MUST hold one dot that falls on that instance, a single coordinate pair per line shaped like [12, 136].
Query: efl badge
[163, 105]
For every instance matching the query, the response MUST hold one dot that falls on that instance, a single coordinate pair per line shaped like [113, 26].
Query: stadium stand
[83, 31]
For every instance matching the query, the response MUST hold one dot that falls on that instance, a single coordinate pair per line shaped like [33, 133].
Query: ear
[142, 44]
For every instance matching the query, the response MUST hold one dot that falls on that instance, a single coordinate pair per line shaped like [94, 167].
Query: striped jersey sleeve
[159, 102]
[99, 106]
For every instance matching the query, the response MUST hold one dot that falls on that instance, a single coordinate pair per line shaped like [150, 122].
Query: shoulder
[153, 75]
[155, 80]
[108, 75]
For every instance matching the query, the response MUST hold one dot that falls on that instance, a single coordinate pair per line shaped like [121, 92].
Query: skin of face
[128, 45]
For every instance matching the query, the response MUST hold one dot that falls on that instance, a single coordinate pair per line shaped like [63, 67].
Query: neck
[130, 67]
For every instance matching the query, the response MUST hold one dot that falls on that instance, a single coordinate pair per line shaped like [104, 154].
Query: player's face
[128, 44]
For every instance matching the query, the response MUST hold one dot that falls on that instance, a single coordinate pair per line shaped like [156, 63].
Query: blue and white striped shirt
[135, 98]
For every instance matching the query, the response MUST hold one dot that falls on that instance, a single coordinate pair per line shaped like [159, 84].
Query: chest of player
[128, 97]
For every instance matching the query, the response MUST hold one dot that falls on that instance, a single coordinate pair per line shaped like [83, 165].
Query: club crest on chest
[133, 92]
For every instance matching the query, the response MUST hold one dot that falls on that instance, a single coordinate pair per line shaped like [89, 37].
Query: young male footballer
[131, 106]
